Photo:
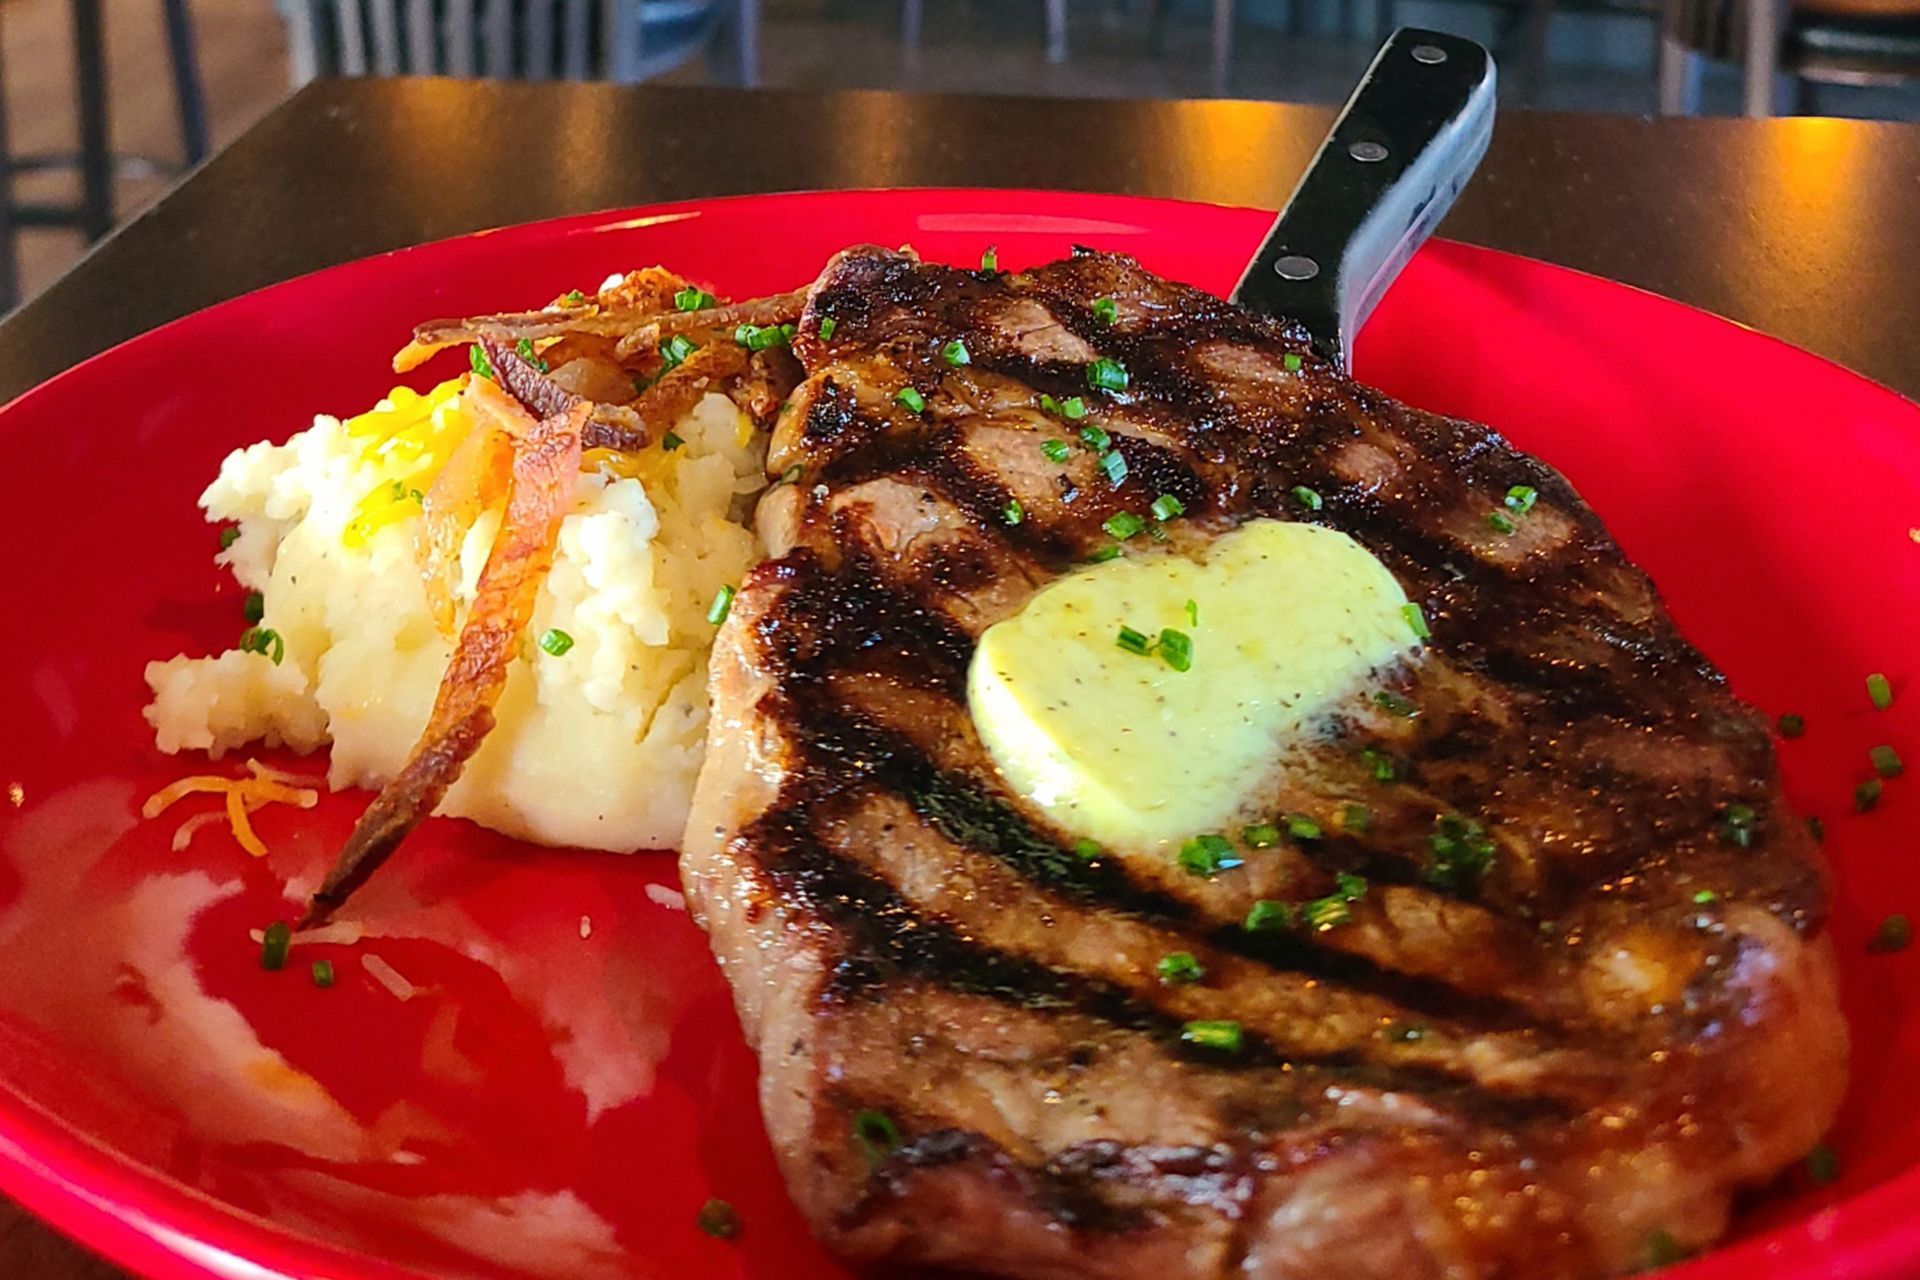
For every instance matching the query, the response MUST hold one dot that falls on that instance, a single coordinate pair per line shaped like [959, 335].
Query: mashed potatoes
[597, 741]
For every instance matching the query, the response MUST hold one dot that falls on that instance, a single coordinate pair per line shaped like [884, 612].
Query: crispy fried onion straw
[777, 308]
[546, 460]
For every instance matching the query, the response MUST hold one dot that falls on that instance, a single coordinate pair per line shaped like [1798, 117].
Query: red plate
[552, 1105]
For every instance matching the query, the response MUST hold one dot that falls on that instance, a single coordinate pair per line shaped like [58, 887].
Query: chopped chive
[1072, 408]
[692, 299]
[274, 943]
[1385, 768]
[1208, 855]
[265, 641]
[1396, 704]
[1520, 498]
[1261, 835]
[1823, 1166]
[1133, 641]
[573, 297]
[671, 441]
[1880, 691]
[877, 1135]
[676, 349]
[1085, 848]
[524, 349]
[1301, 827]
[254, 607]
[1663, 1250]
[1792, 726]
[718, 1219]
[1096, 439]
[1886, 761]
[1114, 463]
[1267, 915]
[555, 641]
[1416, 620]
[229, 536]
[1176, 649]
[323, 973]
[1355, 817]
[1306, 497]
[1193, 613]
[1106, 374]
[1123, 524]
[1326, 913]
[1213, 1034]
[791, 475]
[911, 399]
[756, 337]
[1866, 796]
[1498, 522]
[1109, 552]
[1462, 853]
[1704, 897]
[1166, 507]
[1738, 825]
[1055, 450]
[1177, 967]
[1894, 934]
[1013, 512]
[1106, 310]
[1291, 362]
[827, 325]
[478, 362]
[722, 605]
[990, 260]
[955, 353]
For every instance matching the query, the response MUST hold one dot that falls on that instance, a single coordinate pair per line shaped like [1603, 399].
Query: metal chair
[1815, 42]
[620, 40]
[93, 214]
[913, 17]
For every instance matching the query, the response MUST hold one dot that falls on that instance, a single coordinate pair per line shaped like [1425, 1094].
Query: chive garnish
[990, 260]
[254, 607]
[955, 353]
[1301, 827]
[1013, 512]
[756, 337]
[1326, 913]
[1178, 967]
[1072, 408]
[1385, 768]
[1462, 852]
[1880, 691]
[827, 325]
[555, 641]
[323, 973]
[1213, 1034]
[1396, 704]
[573, 297]
[1291, 362]
[1109, 552]
[524, 349]
[1208, 855]
[1355, 817]
[1123, 524]
[671, 441]
[877, 1135]
[1663, 1250]
[1267, 915]
[229, 536]
[1416, 620]
[1055, 450]
[1866, 796]
[1498, 522]
[1886, 761]
[722, 605]
[676, 349]
[274, 943]
[478, 362]
[1085, 848]
[1306, 497]
[1096, 439]
[1792, 726]
[692, 299]
[1737, 825]
[1261, 835]
[718, 1219]
[1520, 498]
[1166, 507]
[265, 641]
[1176, 649]
[1106, 310]
[1193, 612]
[1106, 374]
[1114, 463]
[1704, 897]
[911, 399]
[1133, 641]
[1894, 934]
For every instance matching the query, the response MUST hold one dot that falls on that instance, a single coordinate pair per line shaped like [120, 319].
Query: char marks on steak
[1537, 1070]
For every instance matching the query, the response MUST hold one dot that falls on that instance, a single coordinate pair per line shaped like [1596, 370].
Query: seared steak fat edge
[1546, 985]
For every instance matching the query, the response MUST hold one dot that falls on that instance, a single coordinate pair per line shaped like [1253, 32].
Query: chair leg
[1223, 45]
[1762, 57]
[90, 84]
[912, 20]
[1806, 96]
[1056, 30]
[187, 89]
[1680, 70]
[746, 40]
[9, 234]
[1533, 65]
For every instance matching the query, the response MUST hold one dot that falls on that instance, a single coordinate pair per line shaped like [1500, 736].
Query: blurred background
[107, 101]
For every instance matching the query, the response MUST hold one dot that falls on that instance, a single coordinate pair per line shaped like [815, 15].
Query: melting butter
[1123, 748]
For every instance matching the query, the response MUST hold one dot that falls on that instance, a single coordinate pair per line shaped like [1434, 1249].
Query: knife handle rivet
[1367, 152]
[1432, 55]
[1296, 266]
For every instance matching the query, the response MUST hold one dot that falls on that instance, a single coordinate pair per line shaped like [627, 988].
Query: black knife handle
[1405, 144]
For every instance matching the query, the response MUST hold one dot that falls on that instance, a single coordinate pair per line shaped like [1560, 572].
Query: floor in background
[993, 46]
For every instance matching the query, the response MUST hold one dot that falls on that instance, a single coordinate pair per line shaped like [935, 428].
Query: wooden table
[1807, 229]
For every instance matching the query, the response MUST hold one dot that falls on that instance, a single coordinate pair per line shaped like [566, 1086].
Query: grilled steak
[1584, 998]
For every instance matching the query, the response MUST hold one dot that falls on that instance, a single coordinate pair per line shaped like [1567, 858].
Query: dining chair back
[620, 40]
[1812, 42]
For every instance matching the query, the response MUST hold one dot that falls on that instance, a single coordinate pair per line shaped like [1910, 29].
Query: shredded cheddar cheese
[408, 437]
[263, 785]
